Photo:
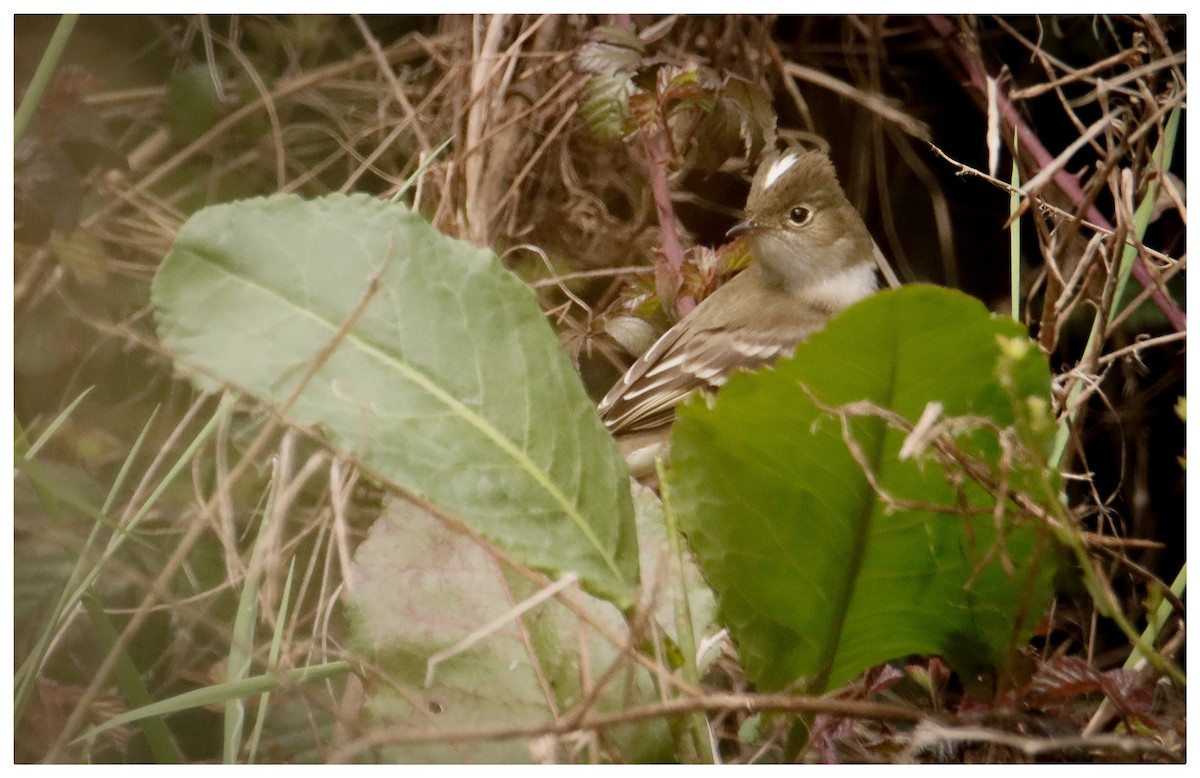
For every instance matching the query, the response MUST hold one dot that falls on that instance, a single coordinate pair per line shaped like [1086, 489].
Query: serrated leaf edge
[427, 384]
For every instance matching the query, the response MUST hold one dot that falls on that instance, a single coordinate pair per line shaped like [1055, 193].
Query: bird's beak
[740, 227]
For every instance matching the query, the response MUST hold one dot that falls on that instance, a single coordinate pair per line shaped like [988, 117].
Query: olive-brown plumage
[812, 256]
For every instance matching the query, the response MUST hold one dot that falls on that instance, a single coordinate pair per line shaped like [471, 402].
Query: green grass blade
[45, 437]
[272, 661]
[127, 465]
[1014, 235]
[219, 693]
[241, 644]
[41, 76]
[1164, 151]
[154, 728]
[83, 576]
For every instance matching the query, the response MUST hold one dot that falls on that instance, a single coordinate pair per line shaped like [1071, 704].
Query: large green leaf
[816, 577]
[450, 384]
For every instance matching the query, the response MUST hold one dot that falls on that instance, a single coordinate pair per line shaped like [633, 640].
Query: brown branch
[751, 703]
[935, 737]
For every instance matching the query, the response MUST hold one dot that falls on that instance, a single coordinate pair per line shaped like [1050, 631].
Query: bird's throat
[843, 288]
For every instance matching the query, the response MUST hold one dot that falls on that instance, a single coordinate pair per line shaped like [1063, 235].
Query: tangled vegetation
[206, 571]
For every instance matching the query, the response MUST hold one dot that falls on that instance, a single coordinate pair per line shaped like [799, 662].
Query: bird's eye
[799, 215]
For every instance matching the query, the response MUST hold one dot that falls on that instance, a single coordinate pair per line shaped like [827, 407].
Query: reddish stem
[668, 270]
[668, 273]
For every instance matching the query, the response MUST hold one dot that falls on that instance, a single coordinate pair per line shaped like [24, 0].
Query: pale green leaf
[450, 384]
[418, 589]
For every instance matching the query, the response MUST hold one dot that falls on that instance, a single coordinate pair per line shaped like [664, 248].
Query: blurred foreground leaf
[419, 588]
[450, 384]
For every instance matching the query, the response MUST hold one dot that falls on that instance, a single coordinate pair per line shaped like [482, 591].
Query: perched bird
[812, 257]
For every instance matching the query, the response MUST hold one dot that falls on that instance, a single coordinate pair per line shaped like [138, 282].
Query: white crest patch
[777, 169]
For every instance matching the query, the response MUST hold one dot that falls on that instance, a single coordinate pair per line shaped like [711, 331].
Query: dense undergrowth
[199, 552]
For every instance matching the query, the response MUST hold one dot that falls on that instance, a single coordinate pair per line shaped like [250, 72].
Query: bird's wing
[676, 366]
[619, 409]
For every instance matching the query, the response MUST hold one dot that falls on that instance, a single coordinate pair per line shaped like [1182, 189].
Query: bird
[811, 256]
